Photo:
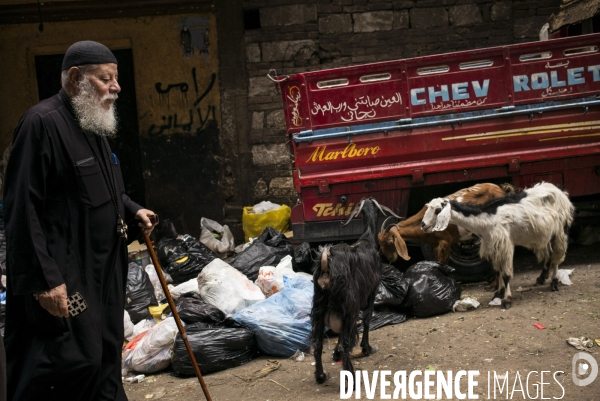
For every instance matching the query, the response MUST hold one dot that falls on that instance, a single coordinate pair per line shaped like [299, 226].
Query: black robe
[61, 227]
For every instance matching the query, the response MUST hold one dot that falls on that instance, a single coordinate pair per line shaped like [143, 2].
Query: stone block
[265, 155]
[261, 86]
[335, 23]
[253, 53]
[260, 188]
[401, 19]
[258, 118]
[373, 21]
[428, 17]
[465, 15]
[276, 119]
[295, 14]
[501, 11]
[289, 50]
[403, 4]
[282, 186]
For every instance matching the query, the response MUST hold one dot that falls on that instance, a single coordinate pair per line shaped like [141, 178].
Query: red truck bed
[522, 113]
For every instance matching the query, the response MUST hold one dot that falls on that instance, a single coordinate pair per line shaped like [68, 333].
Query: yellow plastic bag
[254, 224]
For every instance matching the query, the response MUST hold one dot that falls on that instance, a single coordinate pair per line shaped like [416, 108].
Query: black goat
[346, 278]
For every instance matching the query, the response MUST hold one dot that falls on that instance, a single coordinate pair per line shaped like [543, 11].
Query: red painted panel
[448, 83]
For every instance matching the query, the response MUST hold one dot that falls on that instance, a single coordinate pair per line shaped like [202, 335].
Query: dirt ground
[487, 339]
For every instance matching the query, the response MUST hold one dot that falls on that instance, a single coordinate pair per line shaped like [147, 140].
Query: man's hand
[55, 301]
[148, 220]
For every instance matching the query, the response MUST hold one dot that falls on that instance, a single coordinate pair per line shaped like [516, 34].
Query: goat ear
[443, 218]
[400, 245]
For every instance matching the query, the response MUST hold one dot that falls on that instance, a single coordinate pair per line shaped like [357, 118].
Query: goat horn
[378, 206]
[385, 228]
[355, 212]
[387, 209]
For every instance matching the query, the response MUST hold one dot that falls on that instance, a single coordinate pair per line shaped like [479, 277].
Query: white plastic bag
[128, 325]
[284, 268]
[221, 247]
[269, 281]
[265, 206]
[158, 291]
[189, 286]
[563, 276]
[463, 305]
[226, 288]
[153, 352]
[143, 325]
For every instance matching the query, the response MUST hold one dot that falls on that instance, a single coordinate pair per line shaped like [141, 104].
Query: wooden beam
[95, 9]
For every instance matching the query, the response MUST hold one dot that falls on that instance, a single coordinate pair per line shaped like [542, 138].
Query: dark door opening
[126, 144]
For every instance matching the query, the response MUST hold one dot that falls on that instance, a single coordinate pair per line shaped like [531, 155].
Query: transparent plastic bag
[158, 291]
[189, 286]
[226, 288]
[281, 323]
[222, 245]
[153, 352]
[269, 281]
[128, 325]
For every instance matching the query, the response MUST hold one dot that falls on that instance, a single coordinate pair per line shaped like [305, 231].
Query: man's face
[104, 80]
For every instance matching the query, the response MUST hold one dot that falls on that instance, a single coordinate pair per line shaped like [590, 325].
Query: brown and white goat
[537, 218]
[392, 239]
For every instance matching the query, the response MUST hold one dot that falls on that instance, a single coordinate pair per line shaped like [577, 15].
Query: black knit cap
[87, 52]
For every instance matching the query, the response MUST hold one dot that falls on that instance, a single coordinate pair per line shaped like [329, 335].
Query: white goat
[537, 218]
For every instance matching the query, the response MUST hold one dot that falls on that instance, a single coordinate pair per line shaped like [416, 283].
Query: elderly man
[65, 211]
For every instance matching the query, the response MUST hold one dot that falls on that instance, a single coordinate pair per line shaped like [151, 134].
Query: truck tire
[464, 258]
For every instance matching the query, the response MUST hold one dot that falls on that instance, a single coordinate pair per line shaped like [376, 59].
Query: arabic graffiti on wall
[364, 107]
[191, 120]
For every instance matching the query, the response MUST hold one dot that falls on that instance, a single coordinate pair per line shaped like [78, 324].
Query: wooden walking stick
[163, 283]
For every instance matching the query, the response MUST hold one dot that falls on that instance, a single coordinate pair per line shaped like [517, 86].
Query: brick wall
[297, 35]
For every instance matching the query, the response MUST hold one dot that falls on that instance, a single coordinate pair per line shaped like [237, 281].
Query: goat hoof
[554, 285]
[369, 350]
[337, 356]
[321, 378]
[506, 303]
[540, 280]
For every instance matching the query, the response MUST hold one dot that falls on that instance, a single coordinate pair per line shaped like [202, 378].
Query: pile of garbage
[257, 302]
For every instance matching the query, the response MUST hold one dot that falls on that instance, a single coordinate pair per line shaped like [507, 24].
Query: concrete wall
[177, 95]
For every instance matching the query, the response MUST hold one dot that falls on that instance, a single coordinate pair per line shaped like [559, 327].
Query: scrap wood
[262, 372]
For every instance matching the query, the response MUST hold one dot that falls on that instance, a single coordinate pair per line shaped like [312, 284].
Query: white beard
[91, 115]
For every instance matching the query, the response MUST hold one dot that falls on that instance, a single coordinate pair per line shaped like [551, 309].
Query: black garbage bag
[183, 257]
[384, 317]
[266, 250]
[215, 348]
[392, 289]
[139, 294]
[431, 291]
[303, 257]
[192, 310]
